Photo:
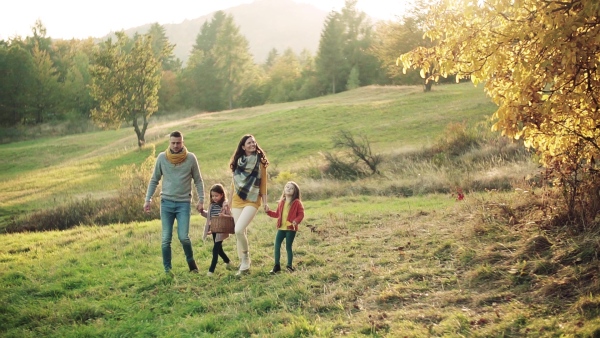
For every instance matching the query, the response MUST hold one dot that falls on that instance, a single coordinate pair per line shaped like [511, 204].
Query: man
[178, 167]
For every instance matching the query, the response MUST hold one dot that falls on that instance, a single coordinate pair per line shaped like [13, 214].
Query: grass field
[368, 264]
[44, 172]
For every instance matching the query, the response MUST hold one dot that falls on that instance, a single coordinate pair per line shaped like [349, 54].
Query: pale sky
[66, 19]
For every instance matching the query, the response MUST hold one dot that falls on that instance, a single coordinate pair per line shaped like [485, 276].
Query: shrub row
[126, 206]
[86, 211]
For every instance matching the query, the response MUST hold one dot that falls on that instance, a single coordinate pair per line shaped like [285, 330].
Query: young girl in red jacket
[290, 212]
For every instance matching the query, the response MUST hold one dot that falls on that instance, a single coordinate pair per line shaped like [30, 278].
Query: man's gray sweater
[177, 182]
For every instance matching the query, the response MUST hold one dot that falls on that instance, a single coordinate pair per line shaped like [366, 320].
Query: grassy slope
[421, 266]
[44, 172]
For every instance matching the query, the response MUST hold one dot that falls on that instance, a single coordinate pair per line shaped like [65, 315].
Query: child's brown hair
[296, 195]
[218, 188]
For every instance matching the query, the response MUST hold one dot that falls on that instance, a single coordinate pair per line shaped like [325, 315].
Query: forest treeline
[127, 79]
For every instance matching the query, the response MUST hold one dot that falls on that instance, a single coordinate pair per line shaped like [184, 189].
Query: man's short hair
[176, 133]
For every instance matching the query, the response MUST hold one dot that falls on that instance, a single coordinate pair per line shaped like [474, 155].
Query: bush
[125, 207]
[486, 161]
[579, 185]
[285, 176]
[457, 140]
[360, 160]
[60, 218]
[342, 170]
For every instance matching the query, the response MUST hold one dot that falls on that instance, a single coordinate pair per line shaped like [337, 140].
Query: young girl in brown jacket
[217, 207]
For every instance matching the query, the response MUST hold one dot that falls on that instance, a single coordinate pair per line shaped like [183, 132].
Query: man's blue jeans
[169, 212]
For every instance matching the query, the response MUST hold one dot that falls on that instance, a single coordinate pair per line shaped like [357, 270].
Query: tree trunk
[39, 117]
[427, 86]
[428, 83]
[142, 139]
[333, 84]
[16, 116]
[140, 133]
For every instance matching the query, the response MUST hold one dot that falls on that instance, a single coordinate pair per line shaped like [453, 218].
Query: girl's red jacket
[296, 214]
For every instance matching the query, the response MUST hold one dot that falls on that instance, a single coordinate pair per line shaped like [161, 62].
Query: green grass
[374, 266]
[369, 263]
[286, 131]
[45, 172]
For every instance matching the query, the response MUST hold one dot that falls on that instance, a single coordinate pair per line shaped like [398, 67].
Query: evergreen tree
[331, 62]
[162, 49]
[309, 81]
[220, 66]
[200, 85]
[39, 38]
[233, 60]
[45, 88]
[353, 79]
[16, 80]
[77, 98]
[285, 76]
[43, 91]
[70, 59]
[358, 39]
[168, 93]
[207, 38]
[271, 58]
[345, 43]
[62, 53]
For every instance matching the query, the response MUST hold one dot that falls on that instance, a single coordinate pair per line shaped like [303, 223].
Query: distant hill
[266, 24]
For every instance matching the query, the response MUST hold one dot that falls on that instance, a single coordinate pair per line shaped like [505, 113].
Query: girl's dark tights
[216, 252]
[289, 241]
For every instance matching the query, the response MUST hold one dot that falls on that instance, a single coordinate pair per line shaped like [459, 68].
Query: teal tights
[289, 240]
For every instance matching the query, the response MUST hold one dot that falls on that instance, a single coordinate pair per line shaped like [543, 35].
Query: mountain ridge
[266, 24]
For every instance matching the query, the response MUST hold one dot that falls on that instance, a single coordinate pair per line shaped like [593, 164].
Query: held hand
[266, 208]
[147, 206]
[200, 207]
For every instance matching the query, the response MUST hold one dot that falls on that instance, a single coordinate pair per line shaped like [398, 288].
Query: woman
[249, 189]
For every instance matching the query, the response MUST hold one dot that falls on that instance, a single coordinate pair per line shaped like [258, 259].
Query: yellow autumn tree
[538, 60]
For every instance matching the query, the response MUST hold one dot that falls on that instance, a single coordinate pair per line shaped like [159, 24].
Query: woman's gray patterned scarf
[246, 178]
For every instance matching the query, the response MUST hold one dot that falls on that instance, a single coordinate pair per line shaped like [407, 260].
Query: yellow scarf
[176, 158]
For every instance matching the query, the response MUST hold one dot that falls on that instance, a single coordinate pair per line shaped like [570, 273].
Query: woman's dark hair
[218, 188]
[262, 156]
